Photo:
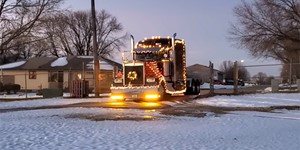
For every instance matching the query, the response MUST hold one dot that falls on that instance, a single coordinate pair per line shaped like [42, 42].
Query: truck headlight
[150, 80]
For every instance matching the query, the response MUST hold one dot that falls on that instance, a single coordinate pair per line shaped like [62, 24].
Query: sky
[203, 24]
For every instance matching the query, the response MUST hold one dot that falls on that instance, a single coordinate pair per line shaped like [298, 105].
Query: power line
[270, 65]
[262, 65]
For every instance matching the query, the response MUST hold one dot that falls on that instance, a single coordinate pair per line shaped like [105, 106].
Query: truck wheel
[188, 91]
[165, 97]
[188, 88]
[197, 87]
[193, 86]
[163, 94]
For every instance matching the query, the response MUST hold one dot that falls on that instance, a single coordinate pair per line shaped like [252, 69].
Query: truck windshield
[155, 42]
[148, 56]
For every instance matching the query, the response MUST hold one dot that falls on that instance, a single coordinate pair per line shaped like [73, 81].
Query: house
[48, 72]
[202, 73]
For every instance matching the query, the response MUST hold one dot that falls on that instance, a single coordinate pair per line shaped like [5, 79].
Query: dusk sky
[203, 24]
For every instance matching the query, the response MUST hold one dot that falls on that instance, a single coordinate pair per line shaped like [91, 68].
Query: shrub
[16, 88]
[11, 87]
[1, 87]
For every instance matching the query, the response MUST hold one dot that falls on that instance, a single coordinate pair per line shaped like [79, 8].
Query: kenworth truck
[157, 70]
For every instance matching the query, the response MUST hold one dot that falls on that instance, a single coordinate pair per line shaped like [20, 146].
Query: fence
[285, 73]
[79, 88]
[38, 80]
[256, 78]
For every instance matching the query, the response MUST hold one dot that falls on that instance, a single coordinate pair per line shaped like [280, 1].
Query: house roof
[199, 67]
[197, 70]
[35, 63]
[63, 63]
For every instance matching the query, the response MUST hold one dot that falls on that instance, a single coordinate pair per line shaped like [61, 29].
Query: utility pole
[291, 73]
[96, 59]
[25, 86]
[236, 77]
[211, 85]
[1, 80]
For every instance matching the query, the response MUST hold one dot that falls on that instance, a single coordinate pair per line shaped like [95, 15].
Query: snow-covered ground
[55, 129]
[253, 100]
[283, 87]
[216, 86]
[48, 102]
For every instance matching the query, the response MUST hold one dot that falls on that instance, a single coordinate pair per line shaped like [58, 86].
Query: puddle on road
[115, 117]
[166, 112]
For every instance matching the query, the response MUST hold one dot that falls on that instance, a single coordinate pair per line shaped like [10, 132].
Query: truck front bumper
[148, 93]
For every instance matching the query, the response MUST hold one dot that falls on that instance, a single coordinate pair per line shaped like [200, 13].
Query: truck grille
[134, 75]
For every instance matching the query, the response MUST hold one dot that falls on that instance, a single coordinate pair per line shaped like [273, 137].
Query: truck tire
[193, 86]
[164, 96]
[197, 87]
[188, 88]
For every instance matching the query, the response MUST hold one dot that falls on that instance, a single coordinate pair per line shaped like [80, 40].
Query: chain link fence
[260, 78]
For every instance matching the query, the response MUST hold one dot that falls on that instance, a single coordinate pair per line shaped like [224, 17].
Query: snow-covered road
[55, 129]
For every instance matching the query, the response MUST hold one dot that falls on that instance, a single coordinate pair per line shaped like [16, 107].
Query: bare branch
[75, 35]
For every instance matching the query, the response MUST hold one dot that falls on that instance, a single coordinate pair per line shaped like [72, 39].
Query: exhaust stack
[132, 46]
[174, 57]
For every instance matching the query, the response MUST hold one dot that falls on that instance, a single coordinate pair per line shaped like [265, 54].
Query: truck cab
[157, 69]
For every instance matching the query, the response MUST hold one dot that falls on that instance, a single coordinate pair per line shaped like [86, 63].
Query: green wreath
[132, 75]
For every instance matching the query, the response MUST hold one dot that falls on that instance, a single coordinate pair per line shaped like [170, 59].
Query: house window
[79, 76]
[56, 76]
[102, 77]
[32, 74]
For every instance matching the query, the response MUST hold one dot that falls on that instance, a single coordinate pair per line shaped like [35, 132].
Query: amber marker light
[117, 97]
[152, 96]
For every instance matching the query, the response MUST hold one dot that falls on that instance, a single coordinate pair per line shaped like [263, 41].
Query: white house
[49, 72]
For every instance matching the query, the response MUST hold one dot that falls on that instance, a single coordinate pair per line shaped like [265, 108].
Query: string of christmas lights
[154, 68]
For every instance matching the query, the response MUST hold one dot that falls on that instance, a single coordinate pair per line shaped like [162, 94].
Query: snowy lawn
[48, 102]
[45, 102]
[58, 129]
[253, 100]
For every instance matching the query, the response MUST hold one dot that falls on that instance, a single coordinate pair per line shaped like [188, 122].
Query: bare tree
[228, 68]
[261, 78]
[269, 80]
[70, 33]
[269, 29]
[17, 19]
[289, 73]
[55, 29]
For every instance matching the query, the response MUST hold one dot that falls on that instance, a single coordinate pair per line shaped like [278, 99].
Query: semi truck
[156, 70]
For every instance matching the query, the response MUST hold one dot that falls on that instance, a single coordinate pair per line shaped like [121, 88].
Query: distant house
[203, 73]
[47, 72]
